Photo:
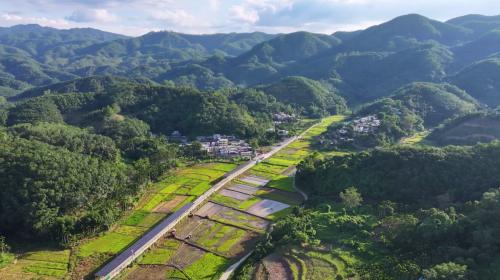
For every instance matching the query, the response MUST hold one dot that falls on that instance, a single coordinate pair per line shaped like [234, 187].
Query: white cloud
[244, 14]
[92, 15]
[9, 19]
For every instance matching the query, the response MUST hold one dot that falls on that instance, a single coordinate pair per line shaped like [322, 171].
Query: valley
[360, 155]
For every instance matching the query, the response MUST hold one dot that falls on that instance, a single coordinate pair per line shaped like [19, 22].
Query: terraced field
[300, 264]
[42, 264]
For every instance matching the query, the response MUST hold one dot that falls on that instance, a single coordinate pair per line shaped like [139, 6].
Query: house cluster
[279, 118]
[349, 131]
[225, 146]
[176, 136]
[366, 125]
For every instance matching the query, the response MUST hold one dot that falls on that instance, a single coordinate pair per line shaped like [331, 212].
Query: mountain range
[361, 66]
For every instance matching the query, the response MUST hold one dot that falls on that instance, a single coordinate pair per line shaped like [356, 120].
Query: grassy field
[418, 138]
[162, 253]
[43, 264]
[208, 267]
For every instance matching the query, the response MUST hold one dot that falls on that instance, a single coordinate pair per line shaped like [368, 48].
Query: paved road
[115, 266]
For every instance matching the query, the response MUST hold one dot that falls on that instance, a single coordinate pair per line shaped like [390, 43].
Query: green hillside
[308, 95]
[485, 46]
[480, 24]
[435, 103]
[406, 31]
[468, 130]
[480, 80]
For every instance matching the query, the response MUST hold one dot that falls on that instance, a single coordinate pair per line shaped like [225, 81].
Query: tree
[4, 247]
[351, 198]
[446, 271]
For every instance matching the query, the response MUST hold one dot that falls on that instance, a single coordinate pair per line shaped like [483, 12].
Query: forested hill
[360, 66]
[404, 212]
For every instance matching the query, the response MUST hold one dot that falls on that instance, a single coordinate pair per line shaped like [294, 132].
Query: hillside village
[217, 145]
[346, 133]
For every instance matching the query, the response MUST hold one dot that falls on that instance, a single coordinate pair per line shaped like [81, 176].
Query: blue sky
[136, 17]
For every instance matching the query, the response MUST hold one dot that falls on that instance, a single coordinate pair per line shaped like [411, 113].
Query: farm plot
[255, 180]
[214, 236]
[277, 268]
[287, 197]
[243, 189]
[233, 217]
[284, 183]
[39, 265]
[112, 242]
[297, 264]
[161, 253]
[148, 272]
[227, 240]
[241, 219]
[235, 203]
[234, 194]
[280, 161]
[185, 255]
[169, 205]
[269, 168]
[209, 209]
[266, 207]
[207, 267]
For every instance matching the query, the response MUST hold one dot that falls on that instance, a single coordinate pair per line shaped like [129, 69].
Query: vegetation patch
[162, 254]
[284, 183]
[208, 267]
[111, 242]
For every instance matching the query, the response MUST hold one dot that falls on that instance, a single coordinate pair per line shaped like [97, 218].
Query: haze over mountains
[361, 66]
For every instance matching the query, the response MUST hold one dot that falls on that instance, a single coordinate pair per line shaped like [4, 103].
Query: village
[230, 146]
[347, 133]
[217, 145]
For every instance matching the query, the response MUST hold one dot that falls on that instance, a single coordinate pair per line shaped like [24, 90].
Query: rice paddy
[298, 264]
[166, 197]
[43, 264]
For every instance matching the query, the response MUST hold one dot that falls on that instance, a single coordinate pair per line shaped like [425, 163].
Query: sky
[137, 17]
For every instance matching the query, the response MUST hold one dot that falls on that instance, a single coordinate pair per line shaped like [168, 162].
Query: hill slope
[481, 81]
[307, 94]
[468, 130]
[406, 31]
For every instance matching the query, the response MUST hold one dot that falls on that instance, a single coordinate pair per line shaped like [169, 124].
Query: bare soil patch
[236, 195]
[186, 255]
[266, 207]
[148, 272]
[209, 209]
[277, 268]
[168, 206]
[244, 189]
[187, 228]
[255, 180]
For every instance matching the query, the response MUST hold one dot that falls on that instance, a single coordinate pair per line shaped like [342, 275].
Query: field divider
[203, 248]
